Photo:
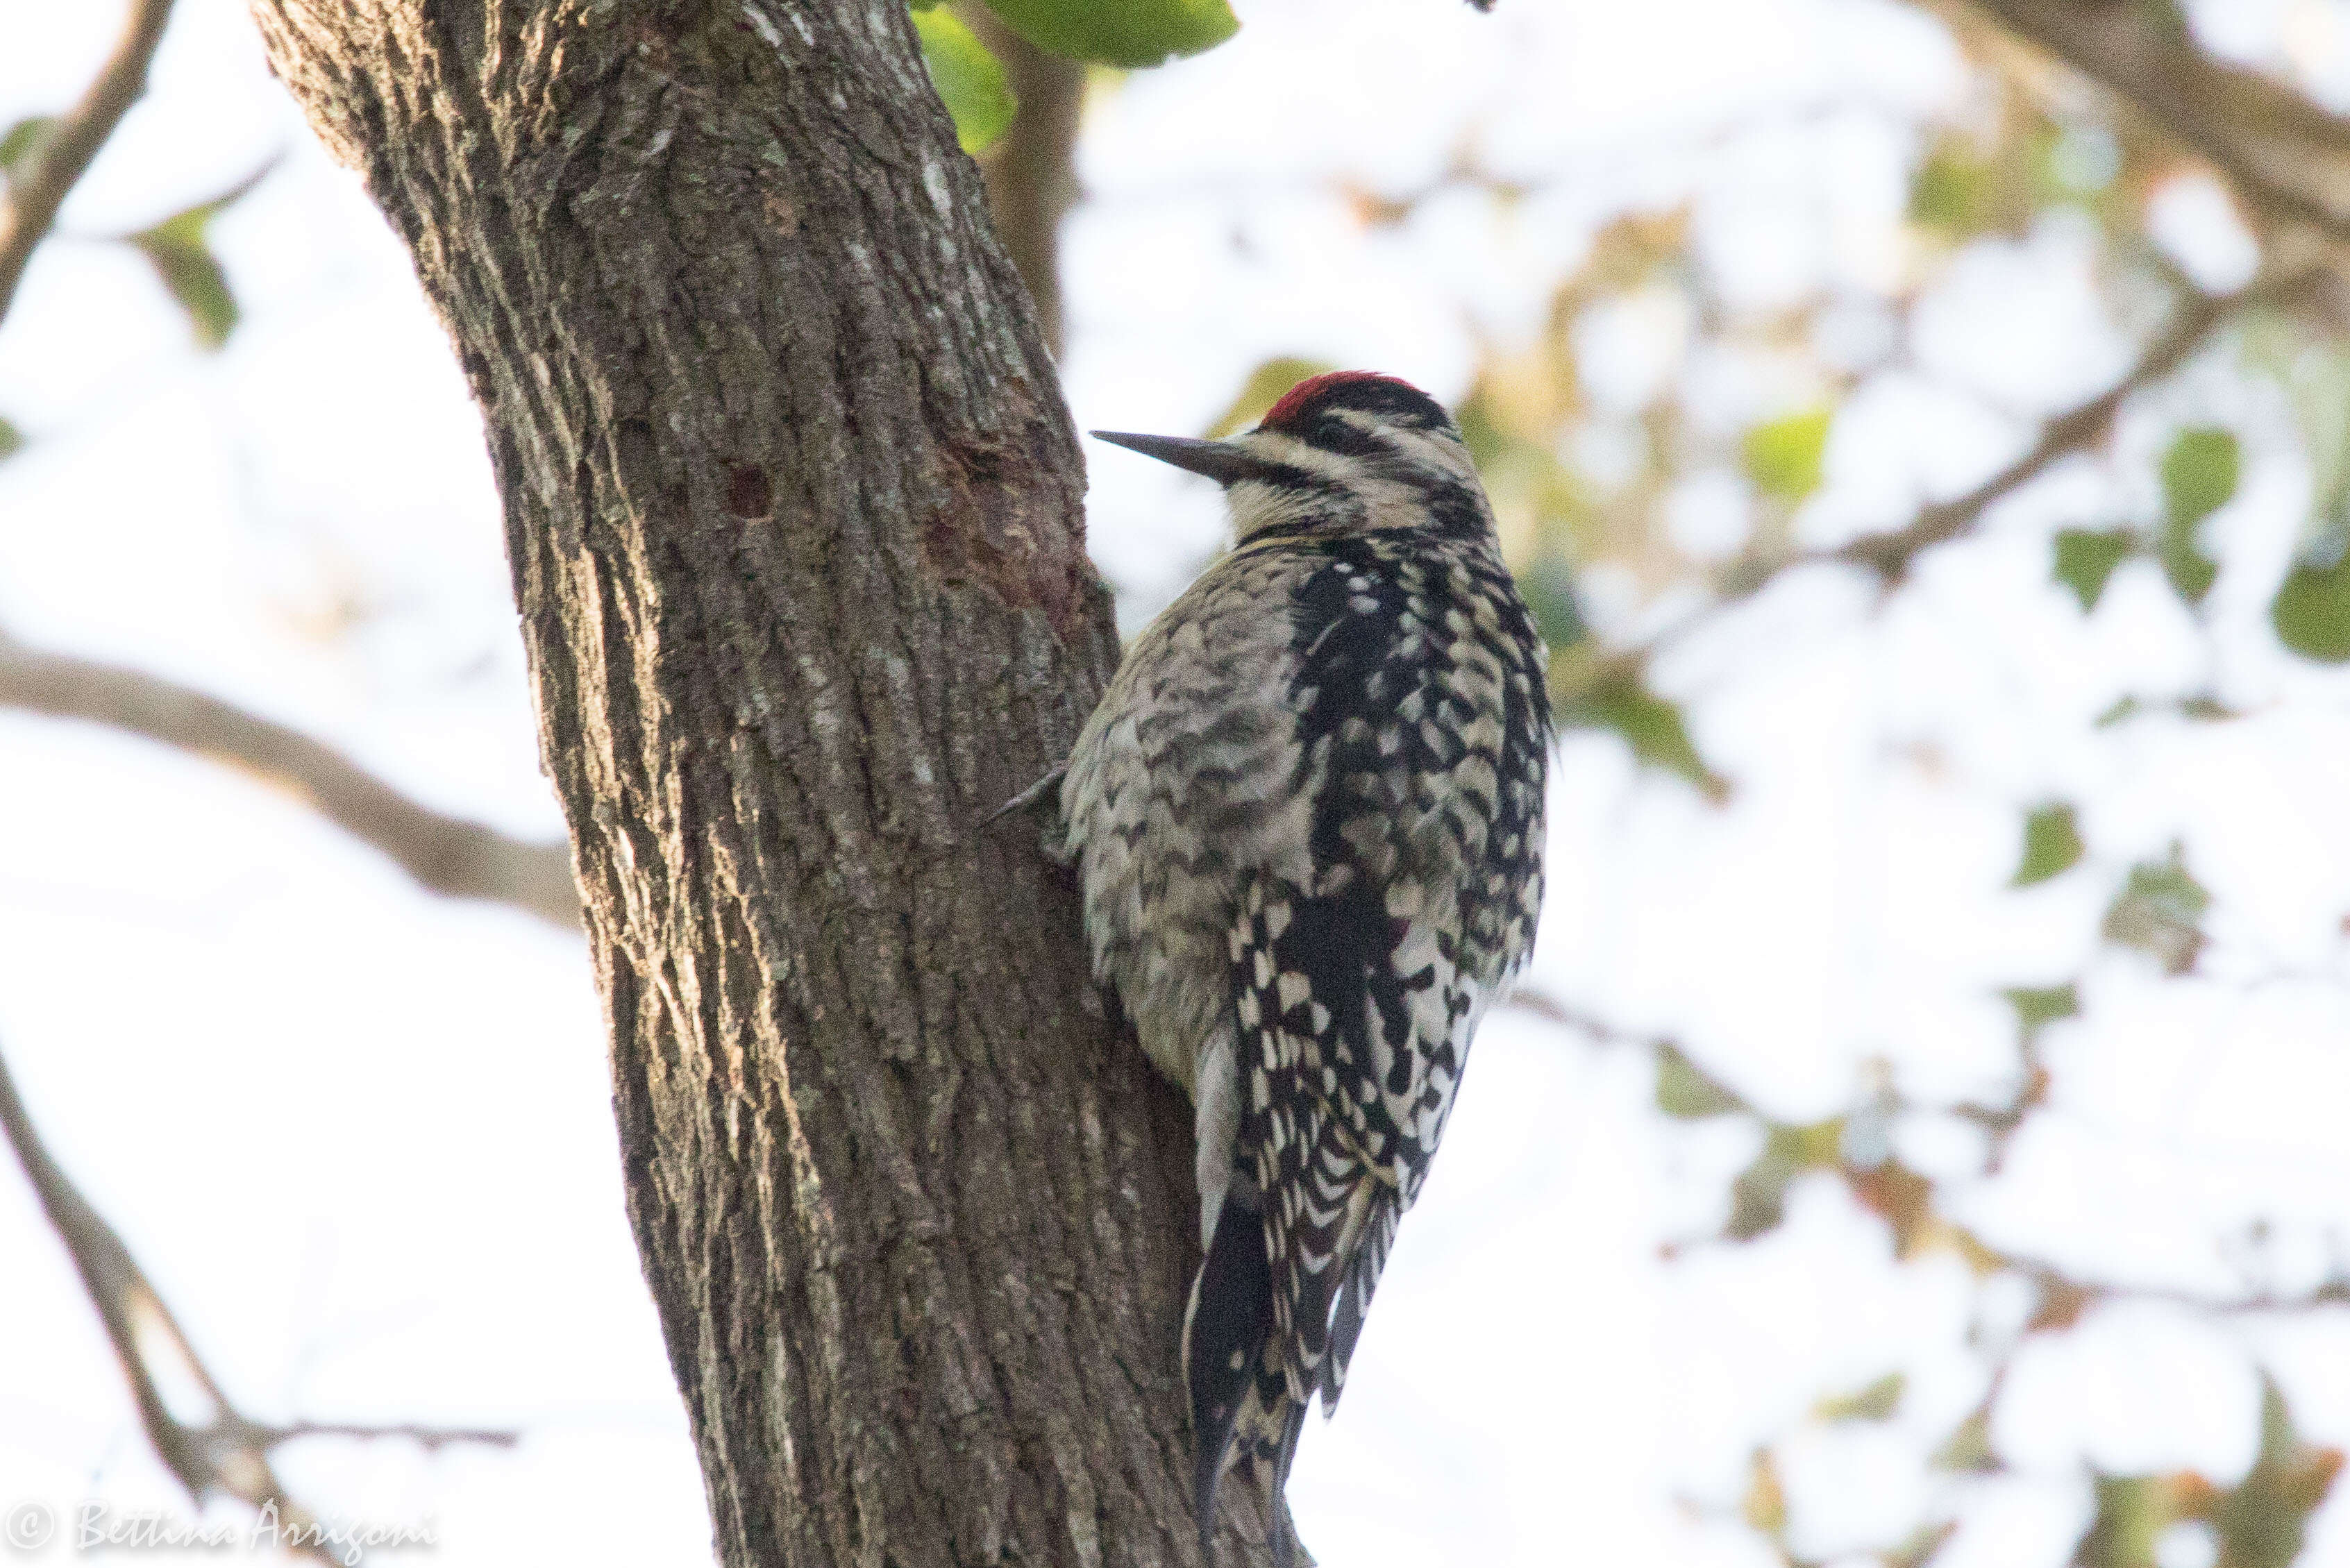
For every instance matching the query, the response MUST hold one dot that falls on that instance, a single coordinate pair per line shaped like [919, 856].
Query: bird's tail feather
[1364, 1265]
[1245, 1404]
[1225, 1331]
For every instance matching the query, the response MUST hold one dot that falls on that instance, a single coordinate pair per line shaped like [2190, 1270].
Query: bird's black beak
[1220, 461]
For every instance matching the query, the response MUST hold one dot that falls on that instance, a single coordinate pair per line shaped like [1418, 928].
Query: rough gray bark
[792, 510]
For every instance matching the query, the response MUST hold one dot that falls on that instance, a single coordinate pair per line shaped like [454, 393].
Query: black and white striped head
[1352, 451]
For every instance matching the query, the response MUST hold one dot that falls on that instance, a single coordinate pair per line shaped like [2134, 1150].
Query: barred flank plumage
[1308, 816]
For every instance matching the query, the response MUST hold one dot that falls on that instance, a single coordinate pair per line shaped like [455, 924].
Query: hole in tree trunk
[749, 494]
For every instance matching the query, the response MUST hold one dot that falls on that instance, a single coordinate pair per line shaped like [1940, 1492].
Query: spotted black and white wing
[1358, 982]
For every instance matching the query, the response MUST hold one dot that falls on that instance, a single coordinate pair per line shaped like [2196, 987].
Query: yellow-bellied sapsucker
[1308, 821]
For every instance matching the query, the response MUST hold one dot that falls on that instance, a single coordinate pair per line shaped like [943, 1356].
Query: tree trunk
[793, 508]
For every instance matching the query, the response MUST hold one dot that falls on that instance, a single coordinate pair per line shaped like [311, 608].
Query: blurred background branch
[1889, 555]
[444, 854]
[1031, 178]
[60, 149]
[214, 1448]
[2288, 157]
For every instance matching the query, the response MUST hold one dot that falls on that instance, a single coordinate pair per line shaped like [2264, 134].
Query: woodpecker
[1307, 819]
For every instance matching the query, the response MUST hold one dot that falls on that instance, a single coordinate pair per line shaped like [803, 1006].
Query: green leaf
[2037, 1007]
[1547, 586]
[2318, 381]
[1923, 1544]
[12, 440]
[2125, 708]
[1764, 1506]
[1481, 432]
[1119, 32]
[1968, 1448]
[2263, 1521]
[2132, 1513]
[22, 139]
[1880, 1401]
[1758, 1198]
[2196, 707]
[2198, 477]
[179, 249]
[2311, 611]
[1649, 725]
[1688, 1091]
[2199, 474]
[2202, 708]
[1784, 458]
[1951, 190]
[1263, 389]
[971, 81]
[2190, 571]
[2052, 844]
[196, 281]
[2085, 561]
[2159, 912]
[1509, 418]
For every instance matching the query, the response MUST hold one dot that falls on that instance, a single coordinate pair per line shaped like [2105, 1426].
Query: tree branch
[445, 853]
[226, 1451]
[1032, 177]
[2064, 1296]
[2076, 430]
[1891, 552]
[2286, 156]
[33, 199]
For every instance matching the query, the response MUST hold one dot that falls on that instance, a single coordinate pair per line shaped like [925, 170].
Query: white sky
[360, 1136]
